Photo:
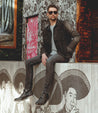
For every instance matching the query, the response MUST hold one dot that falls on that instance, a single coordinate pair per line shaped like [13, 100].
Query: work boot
[43, 99]
[24, 95]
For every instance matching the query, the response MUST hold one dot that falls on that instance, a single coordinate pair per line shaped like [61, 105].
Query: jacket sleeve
[75, 37]
[43, 50]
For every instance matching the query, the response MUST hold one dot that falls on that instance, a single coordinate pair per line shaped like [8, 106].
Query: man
[75, 87]
[57, 46]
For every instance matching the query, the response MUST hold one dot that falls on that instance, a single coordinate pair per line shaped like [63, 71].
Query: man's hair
[52, 5]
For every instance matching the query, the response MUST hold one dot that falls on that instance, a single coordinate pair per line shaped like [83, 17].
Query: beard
[53, 19]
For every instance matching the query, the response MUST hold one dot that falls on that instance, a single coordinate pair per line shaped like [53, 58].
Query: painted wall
[12, 75]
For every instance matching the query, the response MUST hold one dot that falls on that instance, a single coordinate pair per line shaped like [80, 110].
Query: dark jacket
[65, 39]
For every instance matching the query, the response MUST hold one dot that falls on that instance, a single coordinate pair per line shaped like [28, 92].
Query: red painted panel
[32, 37]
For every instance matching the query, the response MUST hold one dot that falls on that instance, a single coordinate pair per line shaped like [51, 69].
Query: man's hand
[44, 59]
[74, 110]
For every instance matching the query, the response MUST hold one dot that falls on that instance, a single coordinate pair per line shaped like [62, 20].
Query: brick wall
[86, 21]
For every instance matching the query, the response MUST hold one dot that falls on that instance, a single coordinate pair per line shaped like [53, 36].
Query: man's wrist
[43, 54]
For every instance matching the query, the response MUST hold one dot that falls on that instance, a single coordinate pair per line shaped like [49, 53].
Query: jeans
[52, 59]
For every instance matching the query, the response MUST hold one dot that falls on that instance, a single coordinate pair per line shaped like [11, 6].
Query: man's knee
[28, 62]
[34, 60]
[49, 62]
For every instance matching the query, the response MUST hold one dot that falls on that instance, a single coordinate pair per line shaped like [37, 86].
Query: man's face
[52, 14]
[70, 99]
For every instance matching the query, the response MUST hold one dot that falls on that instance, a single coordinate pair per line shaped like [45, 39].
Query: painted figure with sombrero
[75, 87]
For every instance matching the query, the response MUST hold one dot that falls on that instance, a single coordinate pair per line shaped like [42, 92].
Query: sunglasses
[50, 12]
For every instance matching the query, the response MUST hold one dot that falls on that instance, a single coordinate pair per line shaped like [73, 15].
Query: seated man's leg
[29, 77]
[50, 76]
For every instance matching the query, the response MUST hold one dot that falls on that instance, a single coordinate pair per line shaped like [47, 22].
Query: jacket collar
[57, 23]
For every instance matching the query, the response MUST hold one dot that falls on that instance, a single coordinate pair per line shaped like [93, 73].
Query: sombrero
[19, 78]
[57, 92]
[76, 79]
[4, 76]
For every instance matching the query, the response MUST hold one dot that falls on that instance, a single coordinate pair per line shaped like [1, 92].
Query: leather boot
[24, 95]
[43, 99]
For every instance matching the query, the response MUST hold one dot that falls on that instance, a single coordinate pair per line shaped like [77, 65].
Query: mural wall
[75, 89]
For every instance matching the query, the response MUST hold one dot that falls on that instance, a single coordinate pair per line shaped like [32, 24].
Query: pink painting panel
[32, 37]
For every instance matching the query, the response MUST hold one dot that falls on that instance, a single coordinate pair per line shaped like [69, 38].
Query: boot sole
[23, 98]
